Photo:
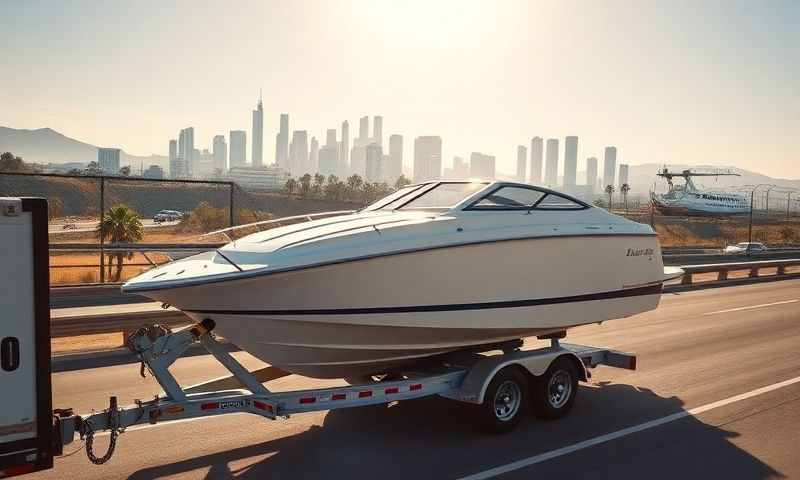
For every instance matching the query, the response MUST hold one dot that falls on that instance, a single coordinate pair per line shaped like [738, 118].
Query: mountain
[45, 145]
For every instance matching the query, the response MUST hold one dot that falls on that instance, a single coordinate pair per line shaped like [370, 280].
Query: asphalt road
[698, 354]
[84, 226]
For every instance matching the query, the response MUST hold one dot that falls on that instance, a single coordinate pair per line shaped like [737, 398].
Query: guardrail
[723, 269]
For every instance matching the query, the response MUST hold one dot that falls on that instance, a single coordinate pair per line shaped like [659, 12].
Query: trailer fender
[473, 388]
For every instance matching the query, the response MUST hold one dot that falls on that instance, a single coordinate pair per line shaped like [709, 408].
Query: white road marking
[527, 462]
[751, 307]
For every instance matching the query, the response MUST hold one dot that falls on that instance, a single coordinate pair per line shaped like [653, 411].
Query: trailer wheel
[553, 393]
[505, 402]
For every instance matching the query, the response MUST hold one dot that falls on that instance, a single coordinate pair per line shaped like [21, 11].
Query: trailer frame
[464, 376]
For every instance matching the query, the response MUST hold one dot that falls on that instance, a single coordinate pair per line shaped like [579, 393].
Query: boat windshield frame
[546, 192]
[434, 185]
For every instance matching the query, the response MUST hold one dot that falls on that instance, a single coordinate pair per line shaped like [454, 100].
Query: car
[745, 247]
[167, 216]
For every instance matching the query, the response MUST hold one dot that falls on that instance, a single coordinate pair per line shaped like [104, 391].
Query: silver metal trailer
[501, 380]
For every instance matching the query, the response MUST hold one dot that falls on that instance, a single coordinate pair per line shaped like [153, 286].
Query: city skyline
[636, 87]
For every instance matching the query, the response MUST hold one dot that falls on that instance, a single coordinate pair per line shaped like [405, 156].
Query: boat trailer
[462, 376]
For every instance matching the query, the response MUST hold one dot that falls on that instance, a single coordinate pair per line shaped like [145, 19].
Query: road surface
[88, 226]
[716, 395]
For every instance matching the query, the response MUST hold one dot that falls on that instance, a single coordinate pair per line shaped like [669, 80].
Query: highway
[88, 226]
[716, 395]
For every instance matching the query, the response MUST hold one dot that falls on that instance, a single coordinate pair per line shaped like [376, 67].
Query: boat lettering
[639, 252]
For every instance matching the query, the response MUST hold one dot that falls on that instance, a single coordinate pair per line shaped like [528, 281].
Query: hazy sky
[668, 82]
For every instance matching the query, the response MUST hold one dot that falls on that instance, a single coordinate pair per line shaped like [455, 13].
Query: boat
[430, 269]
[687, 199]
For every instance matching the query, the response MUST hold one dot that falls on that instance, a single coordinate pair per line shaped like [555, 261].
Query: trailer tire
[505, 402]
[554, 392]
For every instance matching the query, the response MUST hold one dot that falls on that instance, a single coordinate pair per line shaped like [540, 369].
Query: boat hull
[377, 314]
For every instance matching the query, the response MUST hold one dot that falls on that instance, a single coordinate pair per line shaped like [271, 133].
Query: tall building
[537, 148]
[258, 134]
[551, 163]
[460, 168]
[591, 174]
[358, 158]
[522, 161]
[328, 160]
[374, 163]
[238, 154]
[313, 156]
[623, 174]
[108, 160]
[377, 130]
[175, 165]
[186, 151]
[344, 150]
[363, 128]
[220, 149]
[330, 137]
[481, 166]
[609, 166]
[204, 164]
[427, 158]
[570, 163]
[298, 163]
[282, 143]
[394, 166]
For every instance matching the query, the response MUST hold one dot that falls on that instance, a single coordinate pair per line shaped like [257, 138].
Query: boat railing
[304, 217]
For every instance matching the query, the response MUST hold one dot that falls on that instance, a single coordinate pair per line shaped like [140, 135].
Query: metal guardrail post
[753, 272]
[723, 275]
[686, 279]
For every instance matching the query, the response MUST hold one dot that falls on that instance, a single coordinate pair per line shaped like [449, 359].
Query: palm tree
[610, 191]
[291, 186]
[354, 183]
[624, 189]
[305, 185]
[319, 182]
[120, 224]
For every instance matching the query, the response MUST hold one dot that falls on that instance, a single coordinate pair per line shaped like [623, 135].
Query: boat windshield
[428, 196]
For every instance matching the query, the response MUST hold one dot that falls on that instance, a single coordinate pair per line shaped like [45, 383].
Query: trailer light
[209, 406]
[365, 394]
[308, 400]
[416, 386]
[174, 409]
[262, 405]
[339, 396]
[392, 390]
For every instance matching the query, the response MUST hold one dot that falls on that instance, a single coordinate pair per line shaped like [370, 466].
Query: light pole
[750, 228]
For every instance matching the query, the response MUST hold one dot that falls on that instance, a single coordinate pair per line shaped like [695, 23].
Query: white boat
[432, 268]
[687, 199]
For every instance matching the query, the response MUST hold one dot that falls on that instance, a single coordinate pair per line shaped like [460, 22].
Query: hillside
[45, 145]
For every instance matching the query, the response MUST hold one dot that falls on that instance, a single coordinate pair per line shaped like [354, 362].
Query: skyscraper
[536, 160]
[460, 168]
[313, 156]
[258, 134]
[394, 166]
[175, 165]
[299, 161]
[186, 151]
[220, 153]
[281, 143]
[481, 166]
[609, 166]
[570, 163]
[623, 174]
[551, 163]
[108, 160]
[522, 162]
[343, 163]
[363, 128]
[330, 137]
[427, 158]
[238, 154]
[377, 130]
[374, 163]
[328, 164]
[591, 174]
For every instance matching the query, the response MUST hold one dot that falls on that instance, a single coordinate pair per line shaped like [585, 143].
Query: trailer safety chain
[87, 431]
[152, 332]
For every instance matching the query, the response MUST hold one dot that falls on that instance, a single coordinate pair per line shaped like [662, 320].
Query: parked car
[167, 216]
[744, 247]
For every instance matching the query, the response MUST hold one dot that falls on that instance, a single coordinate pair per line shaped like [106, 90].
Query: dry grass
[83, 267]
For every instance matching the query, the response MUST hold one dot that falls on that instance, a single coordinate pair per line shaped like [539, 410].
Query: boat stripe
[630, 292]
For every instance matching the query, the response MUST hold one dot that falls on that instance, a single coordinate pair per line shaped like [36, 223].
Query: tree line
[352, 188]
